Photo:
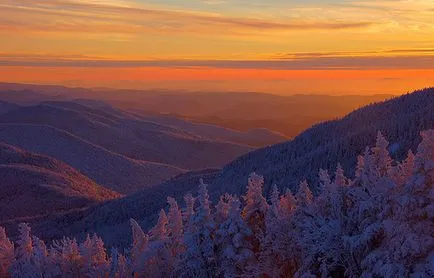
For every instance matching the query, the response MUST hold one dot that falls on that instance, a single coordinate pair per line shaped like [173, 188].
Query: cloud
[130, 18]
[308, 62]
[381, 53]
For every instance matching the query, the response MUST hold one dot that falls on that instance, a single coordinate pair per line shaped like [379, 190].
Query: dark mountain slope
[107, 168]
[400, 119]
[33, 185]
[111, 219]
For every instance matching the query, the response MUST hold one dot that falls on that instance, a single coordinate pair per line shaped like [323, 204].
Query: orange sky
[282, 47]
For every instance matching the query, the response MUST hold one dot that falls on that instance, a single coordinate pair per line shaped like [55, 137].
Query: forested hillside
[340, 141]
[377, 224]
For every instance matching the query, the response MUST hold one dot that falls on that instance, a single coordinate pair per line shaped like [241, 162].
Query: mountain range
[243, 111]
[120, 150]
[400, 119]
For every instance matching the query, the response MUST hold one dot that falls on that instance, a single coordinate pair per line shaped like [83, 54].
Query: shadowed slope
[111, 219]
[33, 184]
[109, 169]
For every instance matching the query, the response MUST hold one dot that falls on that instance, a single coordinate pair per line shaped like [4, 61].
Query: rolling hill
[323, 146]
[34, 185]
[109, 169]
[126, 135]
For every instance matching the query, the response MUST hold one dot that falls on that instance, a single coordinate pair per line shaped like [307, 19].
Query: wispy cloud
[130, 18]
[300, 61]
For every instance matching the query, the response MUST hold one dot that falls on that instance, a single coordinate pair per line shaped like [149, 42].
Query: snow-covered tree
[403, 171]
[304, 196]
[94, 257]
[23, 266]
[6, 253]
[287, 205]
[159, 231]
[189, 211]
[232, 242]
[222, 208]
[378, 224]
[325, 181]
[175, 230]
[382, 156]
[273, 210]
[255, 210]
[408, 244]
[199, 259]
[340, 179]
[118, 265]
[66, 255]
[139, 247]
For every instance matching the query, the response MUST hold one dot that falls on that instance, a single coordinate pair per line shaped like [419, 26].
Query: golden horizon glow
[271, 47]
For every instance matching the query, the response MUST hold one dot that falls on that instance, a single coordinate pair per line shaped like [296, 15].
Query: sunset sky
[275, 46]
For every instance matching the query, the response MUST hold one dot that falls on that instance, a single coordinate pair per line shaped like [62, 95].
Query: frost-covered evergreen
[234, 249]
[378, 224]
[93, 254]
[199, 259]
[6, 253]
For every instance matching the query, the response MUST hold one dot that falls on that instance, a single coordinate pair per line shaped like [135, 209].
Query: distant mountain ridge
[242, 111]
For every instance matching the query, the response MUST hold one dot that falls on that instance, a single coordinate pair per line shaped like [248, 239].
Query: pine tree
[118, 265]
[139, 247]
[40, 258]
[199, 259]
[159, 231]
[274, 198]
[23, 266]
[6, 253]
[325, 181]
[189, 211]
[340, 179]
[384, 161]
[287, 205]
[408, 244]
[66, 255]
[160, 258]
[175, 230]
[93, 254]
[304, 196]
[255, 210]
[222, 208]
[232, 240]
